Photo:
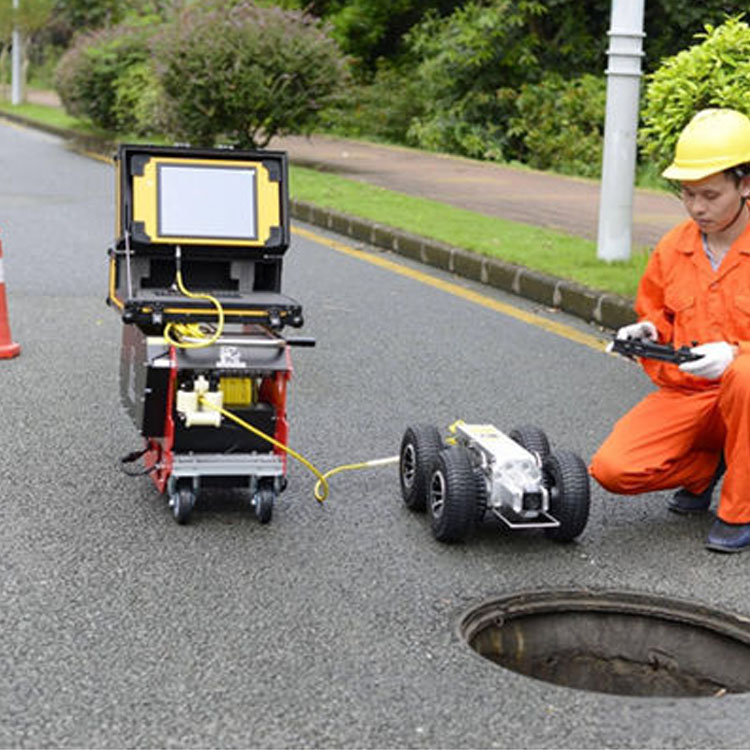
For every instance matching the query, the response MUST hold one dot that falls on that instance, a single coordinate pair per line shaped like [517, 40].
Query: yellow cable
[193, 329]
[321, 486]
[241, 422]
[352, 467]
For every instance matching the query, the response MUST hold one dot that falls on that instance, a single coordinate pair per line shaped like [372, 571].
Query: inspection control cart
[195, 274]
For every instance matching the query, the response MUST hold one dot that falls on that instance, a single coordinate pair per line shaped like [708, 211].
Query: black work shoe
[728, 537]
[685, 502]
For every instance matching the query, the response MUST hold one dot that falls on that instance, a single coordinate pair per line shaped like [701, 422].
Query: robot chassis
[479, 469]
[200, 239]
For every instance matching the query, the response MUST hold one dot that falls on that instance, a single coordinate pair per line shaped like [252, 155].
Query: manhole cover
[614, 642]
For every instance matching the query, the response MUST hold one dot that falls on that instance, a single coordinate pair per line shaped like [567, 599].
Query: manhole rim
[475, 618]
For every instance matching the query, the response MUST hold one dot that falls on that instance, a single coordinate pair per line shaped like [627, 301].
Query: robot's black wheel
[567, 481]
[263, 504]
[532, 438]
[182, 502]
[482, 496]
[420, 447]
[452, 499]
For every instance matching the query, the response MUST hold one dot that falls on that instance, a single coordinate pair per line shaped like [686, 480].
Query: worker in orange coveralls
[696, 292]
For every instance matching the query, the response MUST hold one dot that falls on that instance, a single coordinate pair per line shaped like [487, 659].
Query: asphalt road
[333, 626]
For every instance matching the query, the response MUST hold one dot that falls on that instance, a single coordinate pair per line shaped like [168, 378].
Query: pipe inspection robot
[477, 469]
[195, 275]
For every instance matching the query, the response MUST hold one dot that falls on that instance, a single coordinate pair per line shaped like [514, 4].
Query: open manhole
[614, 642]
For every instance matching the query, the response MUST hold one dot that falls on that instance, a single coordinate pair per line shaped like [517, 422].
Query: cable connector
[132, 458]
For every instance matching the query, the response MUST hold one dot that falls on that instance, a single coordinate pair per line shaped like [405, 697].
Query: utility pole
[620, 130]
[16, 88]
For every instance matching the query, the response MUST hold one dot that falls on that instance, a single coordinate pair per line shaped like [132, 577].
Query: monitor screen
[206, 201]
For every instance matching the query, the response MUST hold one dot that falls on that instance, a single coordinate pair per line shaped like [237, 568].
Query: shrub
[560, 124]
[242, 73]
[714, 73]
[382, 109]
[89, 73]
[138, 100]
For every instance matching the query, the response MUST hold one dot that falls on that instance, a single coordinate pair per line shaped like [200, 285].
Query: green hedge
[560, 124]
[713, 73]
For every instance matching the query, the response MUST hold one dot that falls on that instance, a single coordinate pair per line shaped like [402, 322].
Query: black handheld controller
[652, 350]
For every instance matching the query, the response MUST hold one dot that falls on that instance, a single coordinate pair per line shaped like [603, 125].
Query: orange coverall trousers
[675, 436]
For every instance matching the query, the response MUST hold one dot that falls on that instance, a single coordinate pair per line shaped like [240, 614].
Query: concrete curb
[605, 309]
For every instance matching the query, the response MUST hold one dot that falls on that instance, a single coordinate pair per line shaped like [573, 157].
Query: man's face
[714, 201]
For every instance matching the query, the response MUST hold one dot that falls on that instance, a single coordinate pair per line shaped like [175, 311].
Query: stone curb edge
[605, 309]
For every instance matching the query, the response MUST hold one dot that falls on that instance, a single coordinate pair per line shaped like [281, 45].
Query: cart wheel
[263, 503]
[182, 502]
[532, 438]
[567, 480]
[452, 501]
[419, 449]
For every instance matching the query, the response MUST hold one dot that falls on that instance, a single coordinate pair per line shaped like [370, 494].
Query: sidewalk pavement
[543, 199]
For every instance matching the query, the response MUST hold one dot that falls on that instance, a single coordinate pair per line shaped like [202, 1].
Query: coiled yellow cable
[350, 467]
[193, 329]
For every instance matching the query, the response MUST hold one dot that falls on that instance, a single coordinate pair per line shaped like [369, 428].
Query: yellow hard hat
[714, 140]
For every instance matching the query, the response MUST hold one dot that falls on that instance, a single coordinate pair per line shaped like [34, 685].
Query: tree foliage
[29, 17]
[501, 79]
[572, 36]
[89, 15]
[373, 29]
[465, 61]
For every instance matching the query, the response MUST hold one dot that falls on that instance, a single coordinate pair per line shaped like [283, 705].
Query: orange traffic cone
[8, 348]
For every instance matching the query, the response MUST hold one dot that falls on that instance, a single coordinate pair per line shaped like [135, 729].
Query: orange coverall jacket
[675, 436]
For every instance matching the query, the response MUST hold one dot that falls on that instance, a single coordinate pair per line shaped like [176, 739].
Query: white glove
[717, 356]
[643, 330]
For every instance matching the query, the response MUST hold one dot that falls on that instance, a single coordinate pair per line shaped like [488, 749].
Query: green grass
[60, 119]
[47, 115]
[545, 250]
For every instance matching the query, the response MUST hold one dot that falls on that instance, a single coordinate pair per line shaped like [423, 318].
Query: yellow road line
[94, 155]
[11, 123]
[560, 329]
